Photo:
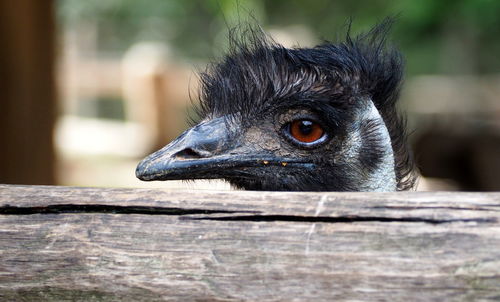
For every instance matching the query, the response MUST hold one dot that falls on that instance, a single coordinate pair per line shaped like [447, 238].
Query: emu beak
[190, 156]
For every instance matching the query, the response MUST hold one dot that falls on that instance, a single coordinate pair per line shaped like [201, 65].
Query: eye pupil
[305, 131]
[305, 127]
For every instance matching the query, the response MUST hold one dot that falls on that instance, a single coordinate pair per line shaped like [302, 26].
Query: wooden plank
[80, 244]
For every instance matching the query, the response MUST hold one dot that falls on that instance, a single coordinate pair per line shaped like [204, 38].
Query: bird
[273, 118]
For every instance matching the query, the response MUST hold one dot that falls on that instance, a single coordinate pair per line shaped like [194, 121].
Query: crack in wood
[106, 209]
[254, 216]
[471, 208]
[340, 219]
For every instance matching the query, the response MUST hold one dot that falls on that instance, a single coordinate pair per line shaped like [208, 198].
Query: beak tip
[151, 169]
[141, 172]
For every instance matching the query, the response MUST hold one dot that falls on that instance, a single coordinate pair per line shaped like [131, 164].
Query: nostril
[187, 153]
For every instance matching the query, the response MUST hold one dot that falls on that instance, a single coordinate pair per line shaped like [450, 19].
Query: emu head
[301, 119]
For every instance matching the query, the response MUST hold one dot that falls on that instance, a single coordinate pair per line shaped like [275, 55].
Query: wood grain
[94, 244]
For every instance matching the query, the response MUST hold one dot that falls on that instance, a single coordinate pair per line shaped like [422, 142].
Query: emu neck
[370, 152]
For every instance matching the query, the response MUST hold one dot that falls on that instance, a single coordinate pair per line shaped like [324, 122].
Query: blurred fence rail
[81, 244]
[143, 88]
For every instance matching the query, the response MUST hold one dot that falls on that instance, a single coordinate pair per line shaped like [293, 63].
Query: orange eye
[306, 131]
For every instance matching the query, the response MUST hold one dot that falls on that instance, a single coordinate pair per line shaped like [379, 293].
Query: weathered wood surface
[83, 244]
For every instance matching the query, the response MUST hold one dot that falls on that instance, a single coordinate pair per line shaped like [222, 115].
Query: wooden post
[27, 93]
[85, 244]
[149, 89]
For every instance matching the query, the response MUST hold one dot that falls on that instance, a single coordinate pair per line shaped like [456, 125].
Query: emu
[300, 119]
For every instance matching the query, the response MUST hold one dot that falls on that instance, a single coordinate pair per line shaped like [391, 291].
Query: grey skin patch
[381, 177]
[372, 144]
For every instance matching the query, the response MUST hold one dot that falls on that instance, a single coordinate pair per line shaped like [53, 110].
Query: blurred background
[87, 88]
